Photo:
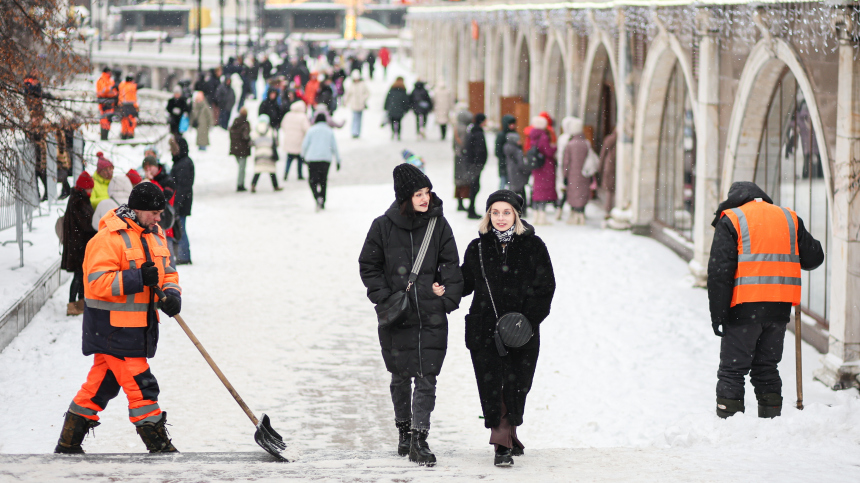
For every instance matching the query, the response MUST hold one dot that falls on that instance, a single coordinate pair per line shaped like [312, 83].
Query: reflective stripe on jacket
[768, 258]
[112, 280]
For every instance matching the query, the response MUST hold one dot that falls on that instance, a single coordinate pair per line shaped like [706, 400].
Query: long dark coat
[240, 137]
[522, 280]
[417, 347]
[77, 230]
[475, 153]
[183, 175]
[397, 103]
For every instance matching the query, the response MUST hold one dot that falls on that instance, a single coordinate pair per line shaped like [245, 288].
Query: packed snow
[624, 389]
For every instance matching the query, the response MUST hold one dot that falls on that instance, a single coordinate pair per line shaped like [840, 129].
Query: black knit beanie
[480, 118]
[146, 197]
[507, 196]
[407, 180]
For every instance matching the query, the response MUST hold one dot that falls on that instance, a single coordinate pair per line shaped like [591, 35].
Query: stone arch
[663, 54]
[556, 77]
[522, 71]
[763, 69]
[600, 63]
[494, 77]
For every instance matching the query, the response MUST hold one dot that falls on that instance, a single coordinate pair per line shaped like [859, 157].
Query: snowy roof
[155, 8]
[483, 7]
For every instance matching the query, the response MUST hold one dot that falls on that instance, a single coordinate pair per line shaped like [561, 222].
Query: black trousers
[318, 178]
[420, 121]
[271, 175]
[444, 129]
[754, 348]
[76, 289]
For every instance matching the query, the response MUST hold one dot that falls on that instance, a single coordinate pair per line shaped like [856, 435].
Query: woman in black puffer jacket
[520, 274]
[414, 349]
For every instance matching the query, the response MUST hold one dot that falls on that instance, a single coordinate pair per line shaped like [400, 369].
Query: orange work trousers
[106, 377]
[128, 124]
[104, 119]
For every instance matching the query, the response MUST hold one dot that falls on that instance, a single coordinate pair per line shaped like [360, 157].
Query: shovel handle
[797, 355]
[211, 362]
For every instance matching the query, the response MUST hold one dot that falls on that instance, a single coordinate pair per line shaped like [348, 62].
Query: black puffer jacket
[418, 346]
[183, 175]
[723, 263]
[476, 152]
[523, 281]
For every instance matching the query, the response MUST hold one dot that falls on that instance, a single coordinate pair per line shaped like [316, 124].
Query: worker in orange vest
[124, 266]
[107, 94]
[754, 279]
[128, 107]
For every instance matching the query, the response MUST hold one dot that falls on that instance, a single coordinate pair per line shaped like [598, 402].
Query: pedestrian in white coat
[355, 99]
[265, 154]
[294, 126]
[443, 102]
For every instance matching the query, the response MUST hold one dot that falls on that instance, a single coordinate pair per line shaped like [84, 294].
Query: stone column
[465, 47]
[841, 365]
[625, 125]
[707, 144]
[537, 83]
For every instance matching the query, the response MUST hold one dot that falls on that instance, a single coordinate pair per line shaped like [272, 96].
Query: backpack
[534, 159]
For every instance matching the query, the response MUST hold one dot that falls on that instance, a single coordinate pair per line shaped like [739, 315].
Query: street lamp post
[221, 15]
[199, 38]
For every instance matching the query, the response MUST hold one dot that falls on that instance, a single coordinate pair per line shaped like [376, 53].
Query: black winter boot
[473, 215]
[728, 407]
[404, 441]
[769, 405]
[503, 457]
[460, 205]
[419, 451]
[105, 133]
[155, 437]
[75, 428]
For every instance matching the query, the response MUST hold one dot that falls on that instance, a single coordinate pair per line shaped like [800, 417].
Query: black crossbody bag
[397, 307]
[512, 329]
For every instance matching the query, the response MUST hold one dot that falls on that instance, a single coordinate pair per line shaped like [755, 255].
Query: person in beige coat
[294, 126]
[202, 119]
[574, 152]
[265, 154]
[355, 99]
[443, 102]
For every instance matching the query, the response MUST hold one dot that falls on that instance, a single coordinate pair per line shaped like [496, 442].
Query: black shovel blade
[269, 439]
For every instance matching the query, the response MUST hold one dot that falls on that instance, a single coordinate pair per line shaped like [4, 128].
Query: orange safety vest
[115, 248]
[127, 93]
[105, 86]
[768, 258]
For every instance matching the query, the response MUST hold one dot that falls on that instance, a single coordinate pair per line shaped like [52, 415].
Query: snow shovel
[265, 436]
[799, 363]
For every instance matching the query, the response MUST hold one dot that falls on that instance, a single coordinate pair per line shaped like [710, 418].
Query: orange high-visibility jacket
[768, 257]
[127, 93]
[105, 86]
[112, 281]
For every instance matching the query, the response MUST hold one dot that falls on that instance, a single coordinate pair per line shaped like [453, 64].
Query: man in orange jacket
[128, 107]
[124, 261]
[754, 279]
[107, 94]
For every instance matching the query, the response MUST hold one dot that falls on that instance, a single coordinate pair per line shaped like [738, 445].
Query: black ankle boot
[405, 436]
[419, 451]
[155, 437]
[503, 456]
[104, 133]
[769, 405]
[728, 407]
[460, 205]
[75, 428]
[473, 215]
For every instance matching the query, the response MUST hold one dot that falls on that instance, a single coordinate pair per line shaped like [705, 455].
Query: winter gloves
[716, 326]
[149, 274]
[171, 305]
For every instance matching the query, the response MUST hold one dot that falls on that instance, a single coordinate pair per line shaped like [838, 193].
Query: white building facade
[702, 95]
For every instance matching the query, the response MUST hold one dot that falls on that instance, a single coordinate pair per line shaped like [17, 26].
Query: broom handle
[797, 356]
[212, 364]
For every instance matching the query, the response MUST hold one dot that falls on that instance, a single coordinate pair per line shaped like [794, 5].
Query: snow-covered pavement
[624, 389]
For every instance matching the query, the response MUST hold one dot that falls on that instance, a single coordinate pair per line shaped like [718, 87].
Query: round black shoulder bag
[513, 329]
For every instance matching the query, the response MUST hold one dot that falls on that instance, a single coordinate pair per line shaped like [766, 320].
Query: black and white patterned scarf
[504, 236]
[123, 211]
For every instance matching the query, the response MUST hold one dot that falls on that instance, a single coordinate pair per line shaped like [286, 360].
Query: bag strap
[421, 253]
[484, 274]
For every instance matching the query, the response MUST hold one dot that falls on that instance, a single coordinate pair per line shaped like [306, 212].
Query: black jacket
[325, 96]
[417, 347]
[183, 175]
[397, 103]
[501, 139]
[420, 99]
[77, 230]
[271, 108]
[176, 107]
[475, 148]
[723, 263]
[225, 98]
[522, 279]
[266, 68]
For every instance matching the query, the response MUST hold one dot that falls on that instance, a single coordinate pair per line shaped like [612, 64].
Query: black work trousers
[318, 178]
[754, 348]
[76, 289]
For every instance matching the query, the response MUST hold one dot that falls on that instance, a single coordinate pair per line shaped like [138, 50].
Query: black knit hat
[507, 196]
[480, 118]
[146, 197]
[407, 180]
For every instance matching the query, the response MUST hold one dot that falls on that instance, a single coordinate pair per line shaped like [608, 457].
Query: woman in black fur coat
[519, 272]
